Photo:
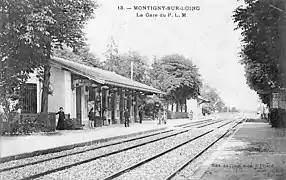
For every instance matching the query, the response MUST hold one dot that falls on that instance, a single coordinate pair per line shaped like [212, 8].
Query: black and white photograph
[143, 89]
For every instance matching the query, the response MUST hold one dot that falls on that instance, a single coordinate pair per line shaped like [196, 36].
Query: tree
[161, 79]
[121, 64]
[261, 46]
[9, 86]
[81, 55]
[212, 95]
[177, 76]
[33, 28]
[152, 105]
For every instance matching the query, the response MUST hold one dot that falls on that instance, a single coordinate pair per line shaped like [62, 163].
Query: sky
[206, 36]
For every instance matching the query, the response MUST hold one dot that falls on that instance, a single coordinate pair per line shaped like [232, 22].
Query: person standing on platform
[164, 116]
[267, 113]
[96, 116]
[91, 117]
[61, 121]
[141, 115]
[109, 117]
[126, 117]
[159, 116]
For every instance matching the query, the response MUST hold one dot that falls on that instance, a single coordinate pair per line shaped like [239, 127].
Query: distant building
[194, 105]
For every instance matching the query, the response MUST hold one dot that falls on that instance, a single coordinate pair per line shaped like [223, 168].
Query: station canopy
[103, 77]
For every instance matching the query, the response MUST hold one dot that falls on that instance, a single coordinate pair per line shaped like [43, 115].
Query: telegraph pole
[132, 69]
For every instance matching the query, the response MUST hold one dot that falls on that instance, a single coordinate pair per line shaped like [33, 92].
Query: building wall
[62, 96]
[192, 104]
[57, 84]
[282, 104]
[68, 94]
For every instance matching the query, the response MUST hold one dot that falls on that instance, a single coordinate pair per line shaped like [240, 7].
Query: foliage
[25, 125]
[121, 64]
[277, 117]
[212, 95]
[30, 31]
[9, 89]
[260, 45]
[233, 109]
[177, 76]
[161, 79]
[225, 109]
[265, 98]
[82, 55]
[206, 111]
[152, 104]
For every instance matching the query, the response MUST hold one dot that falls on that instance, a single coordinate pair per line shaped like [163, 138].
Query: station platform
[254, 152]
[25, 146]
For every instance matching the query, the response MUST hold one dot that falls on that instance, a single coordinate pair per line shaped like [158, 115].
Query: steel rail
[117, 174]
[185, 124]
[210, 124]
[98, 157]
[178, 170]
[82, 151]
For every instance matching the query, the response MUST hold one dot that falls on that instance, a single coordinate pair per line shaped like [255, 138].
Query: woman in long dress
[61, 121]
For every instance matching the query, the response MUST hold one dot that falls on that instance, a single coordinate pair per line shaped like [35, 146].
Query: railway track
[119, 173]
[192, 123]
[103, 146]
[178, 170]
[209, 124]
[97, 157]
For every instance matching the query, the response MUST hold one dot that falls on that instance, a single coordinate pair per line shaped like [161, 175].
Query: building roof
[103, 77]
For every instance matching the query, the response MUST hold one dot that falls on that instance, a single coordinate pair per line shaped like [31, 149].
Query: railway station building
[77, 88]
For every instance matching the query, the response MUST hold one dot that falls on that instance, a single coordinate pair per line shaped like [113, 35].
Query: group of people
[106, 116]
[127, 116]
[161, 116]
[93, 114]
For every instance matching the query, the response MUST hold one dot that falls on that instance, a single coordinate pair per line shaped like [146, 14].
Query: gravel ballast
[188, 172]
[161, 167]
[55, 163]
[74, 150]
[105, 166]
